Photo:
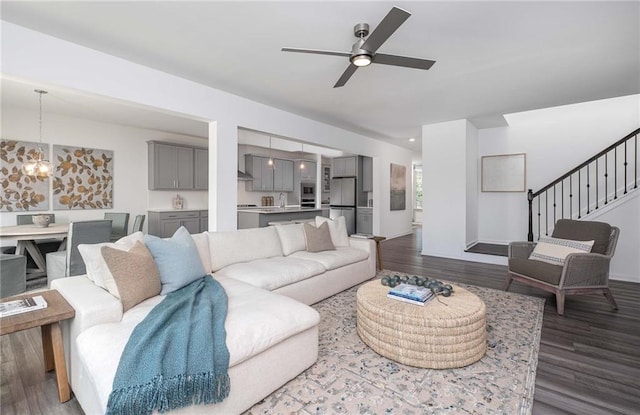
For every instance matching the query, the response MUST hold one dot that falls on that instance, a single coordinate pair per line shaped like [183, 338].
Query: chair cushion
[243, 245]
[334, 259]
[291, 238]
[273, 273]
[555, 250]
[337, 229]
[538, 270]
[579, 230]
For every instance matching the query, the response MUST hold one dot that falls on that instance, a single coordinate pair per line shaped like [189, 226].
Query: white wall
[129, 146]
[49, 61]
[471, 234]
[556, 140]
[444, 178]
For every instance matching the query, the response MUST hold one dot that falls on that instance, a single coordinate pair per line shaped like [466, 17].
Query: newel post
[530, 200]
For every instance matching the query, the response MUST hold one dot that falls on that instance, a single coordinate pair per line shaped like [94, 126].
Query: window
[417, 186]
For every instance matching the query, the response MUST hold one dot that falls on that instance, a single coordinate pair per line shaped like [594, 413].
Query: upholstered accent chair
[580, 273]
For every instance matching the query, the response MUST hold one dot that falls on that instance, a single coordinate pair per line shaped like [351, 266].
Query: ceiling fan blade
[351, 69]
[317, 52]
[391, 22]
[405, 61]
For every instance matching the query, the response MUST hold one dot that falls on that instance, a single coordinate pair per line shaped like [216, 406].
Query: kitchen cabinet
[258, 167]
[266, 178]
[343, 167]
[367, 174]
[364, 220]
[171, 166]
[282, 175]
[308, 174]
[201, 171]
[164, 223]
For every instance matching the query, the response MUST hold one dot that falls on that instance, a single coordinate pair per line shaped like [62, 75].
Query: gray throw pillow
[318, 239]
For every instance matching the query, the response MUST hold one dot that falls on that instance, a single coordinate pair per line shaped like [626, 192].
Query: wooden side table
[48, 319]
[379, 239]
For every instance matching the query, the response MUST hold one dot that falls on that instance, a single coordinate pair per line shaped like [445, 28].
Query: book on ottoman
[411, 294]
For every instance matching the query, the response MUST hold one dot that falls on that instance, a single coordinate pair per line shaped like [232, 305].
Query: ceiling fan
[363, 52]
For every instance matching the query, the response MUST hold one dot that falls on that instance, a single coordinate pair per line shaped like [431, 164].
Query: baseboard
[471, 257]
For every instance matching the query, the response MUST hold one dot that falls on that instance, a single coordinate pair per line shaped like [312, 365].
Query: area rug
[350, 378]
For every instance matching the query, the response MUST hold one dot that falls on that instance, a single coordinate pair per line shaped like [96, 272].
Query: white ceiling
[493, 58]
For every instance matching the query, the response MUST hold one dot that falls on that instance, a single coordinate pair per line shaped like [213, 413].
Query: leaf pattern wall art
[83, 178]
[19, 191]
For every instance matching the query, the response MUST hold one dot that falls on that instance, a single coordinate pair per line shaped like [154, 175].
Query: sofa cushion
[337, 229]
[318, 239]
[539, 270]
[555, 250]
[244, 245]
[202, 243]
[97, 270]
[334, 259]
[273, 273]
[134, 272]
[291, 238]
[256, 320]
[578, 230]
[177, 259]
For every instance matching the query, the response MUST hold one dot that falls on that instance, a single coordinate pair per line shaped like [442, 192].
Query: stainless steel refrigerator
[343, 201]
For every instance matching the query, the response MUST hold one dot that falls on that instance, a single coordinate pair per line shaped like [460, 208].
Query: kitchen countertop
[276, 209]
[162, 210]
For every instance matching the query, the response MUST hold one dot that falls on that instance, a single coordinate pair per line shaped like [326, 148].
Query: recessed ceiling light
[412, 139]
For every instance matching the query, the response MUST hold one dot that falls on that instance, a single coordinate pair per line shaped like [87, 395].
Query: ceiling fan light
[361, 60]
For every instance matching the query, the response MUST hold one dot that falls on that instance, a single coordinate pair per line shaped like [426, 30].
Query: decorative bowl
[41, 220]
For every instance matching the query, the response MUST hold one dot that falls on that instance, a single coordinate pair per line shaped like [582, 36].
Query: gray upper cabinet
[308, 174]
[367, 174]
[171, 166]
[258, 167]
[201, 173]
[343, 167]
[283, 175]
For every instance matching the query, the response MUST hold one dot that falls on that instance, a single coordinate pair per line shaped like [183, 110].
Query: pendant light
[38, 166]
[302, 166]
[270, 162]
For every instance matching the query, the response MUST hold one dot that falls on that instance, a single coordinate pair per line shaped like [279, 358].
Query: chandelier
[38, 166]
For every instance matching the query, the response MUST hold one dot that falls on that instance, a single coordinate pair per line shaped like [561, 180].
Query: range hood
[244, 176]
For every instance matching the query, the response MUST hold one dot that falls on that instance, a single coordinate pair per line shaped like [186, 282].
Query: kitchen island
[260, 217]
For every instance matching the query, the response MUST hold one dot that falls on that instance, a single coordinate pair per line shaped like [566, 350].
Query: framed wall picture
[398, 194]
[20, 192]
[504, 173]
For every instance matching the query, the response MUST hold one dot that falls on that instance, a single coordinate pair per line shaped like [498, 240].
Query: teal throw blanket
[177, 356]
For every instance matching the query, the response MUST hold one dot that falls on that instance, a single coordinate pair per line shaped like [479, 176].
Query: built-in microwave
[307, 190]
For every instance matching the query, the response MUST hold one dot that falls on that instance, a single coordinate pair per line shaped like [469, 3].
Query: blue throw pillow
[177, 259]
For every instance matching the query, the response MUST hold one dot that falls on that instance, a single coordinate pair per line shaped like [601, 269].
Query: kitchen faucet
[281, 199]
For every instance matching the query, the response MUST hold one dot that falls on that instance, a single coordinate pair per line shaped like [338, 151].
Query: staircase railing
[593, 184]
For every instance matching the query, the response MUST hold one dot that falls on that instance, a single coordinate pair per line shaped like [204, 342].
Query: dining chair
[137, 223]
[69, 263]
[119, 225]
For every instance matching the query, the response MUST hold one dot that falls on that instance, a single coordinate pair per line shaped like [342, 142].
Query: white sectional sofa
[272, 333]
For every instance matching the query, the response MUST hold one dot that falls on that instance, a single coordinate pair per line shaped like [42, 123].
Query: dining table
[25, 238]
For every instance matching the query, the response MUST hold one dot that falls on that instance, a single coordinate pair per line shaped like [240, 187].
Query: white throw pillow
[291, 238]
[97, 269]
[337, 229]
[554, 250]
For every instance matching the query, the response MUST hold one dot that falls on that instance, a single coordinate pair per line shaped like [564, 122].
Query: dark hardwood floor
[589, 361]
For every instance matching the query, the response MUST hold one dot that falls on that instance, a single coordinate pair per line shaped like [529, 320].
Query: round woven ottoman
[435, 335]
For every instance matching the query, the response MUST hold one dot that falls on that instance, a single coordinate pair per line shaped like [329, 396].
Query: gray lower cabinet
[364, 221]
[165, 224]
